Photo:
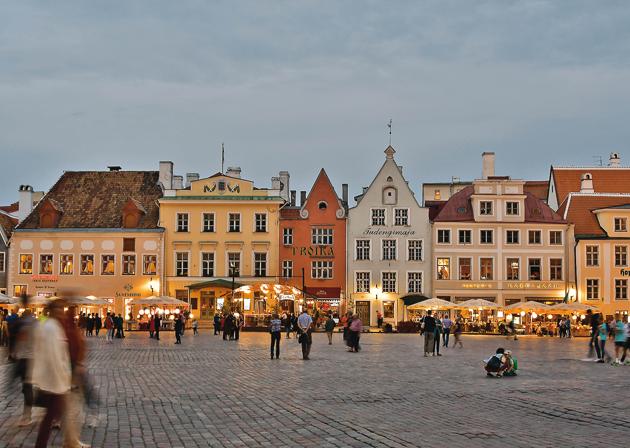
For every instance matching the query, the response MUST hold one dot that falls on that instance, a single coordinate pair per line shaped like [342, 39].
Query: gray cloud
[304, 85]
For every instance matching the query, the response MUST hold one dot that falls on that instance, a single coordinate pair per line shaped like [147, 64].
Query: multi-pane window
[414, 282]
[362, 282]
[415, 250]
[592, 289]
[592, 255]
[621, 256]
[511, 208]
[621, 289]
[260, 264]
[234, 264]
[378, 216]
[287, 268]
[534, 236]
[26, 263]
[2, 262]
[465, 268]
[485, 236]
[260, 220]
[321, 269]
[443, 268]
[389, 281]
[444, 236]
[511, 237]
[66, 264]
[234, 222]
[322, 236]
[621, 224]
[129, 264]
[363, 249]
[287, 236]
[486, 268]
[555, 237]
[46, 264]
[87, 264]
[182, 222]
[208, 222]
[465, 236]
[401, 217]
[108, 264]
[149, 264]
[181, 264]
[207, 264]
[389, 249]
[533, 268]
[555, 269]
[513, 268]
[485, 208]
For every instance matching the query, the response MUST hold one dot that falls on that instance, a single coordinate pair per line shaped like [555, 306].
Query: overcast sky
[301, 85]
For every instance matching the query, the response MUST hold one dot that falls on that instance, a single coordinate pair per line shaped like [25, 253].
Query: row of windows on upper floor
[593, 290]
[486, 236]
[592, 256]
[87, 264]
[487, 269]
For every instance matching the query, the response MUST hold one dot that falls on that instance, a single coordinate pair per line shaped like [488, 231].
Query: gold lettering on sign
[534, 285]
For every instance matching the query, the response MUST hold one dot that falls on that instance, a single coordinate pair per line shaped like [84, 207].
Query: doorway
[363, 311]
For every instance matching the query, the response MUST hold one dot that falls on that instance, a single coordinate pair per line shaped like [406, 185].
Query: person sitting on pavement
[496, 363]
[511, 364]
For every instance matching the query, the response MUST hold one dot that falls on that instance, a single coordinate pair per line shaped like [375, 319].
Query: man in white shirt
[305, 325]
[52, 372]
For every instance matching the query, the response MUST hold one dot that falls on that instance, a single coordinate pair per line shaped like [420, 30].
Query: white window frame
[94, 264]
[622, 219]
[266, 219]
[437, 270]
[73, 264]
[156, 263]
[202, 262]
[437, 236]
[287, 268]
[561, 279]
[481, 239]
[419, 240]
[541, 266]
[507, 208]
[203, 222]
[39, 264]
[561, 238]
[409, 290]
[229, 223]
[177, 216]
[586, 255]
[395, 248]
[356, 249]
[356, 281]
[395, 282]
[472, 268]
[287, 236]
[322, 236]
[494, 269]
[20, 263]
[481, 208]
[470, 232]
[599, 285]
[518, 235]
[122, 264]
[317, 267]
[266, 261]
[187, 252]
[372, 210]
[406, 217]
[625, 299]
[508, 268]
[101, 267]
[621, 265]
[240, 262]
[540, 239]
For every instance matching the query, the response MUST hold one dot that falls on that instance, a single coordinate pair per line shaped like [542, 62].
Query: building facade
[221, 232]
[7, 224]
[389, 246]
[494, 240]
[94, 233]
[313, 246]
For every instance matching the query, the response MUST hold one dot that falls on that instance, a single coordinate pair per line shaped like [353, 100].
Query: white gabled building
[389, 246]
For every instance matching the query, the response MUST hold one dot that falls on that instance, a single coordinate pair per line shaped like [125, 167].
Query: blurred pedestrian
[97, 323]
[195, 327]
[216, 321]
[158, 325]
[109, 327]
[151, 326]
[275, 332]
[355, 329]
[457, 332]
[437, 333]
[24, 361]
[179, 326]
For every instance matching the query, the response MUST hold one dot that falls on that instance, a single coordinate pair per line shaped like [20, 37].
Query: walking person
[151, 326]
[286, 321]
[593, 321]
[24, 362]
[275, 331]
[447, 323]
[428, 329]
[216, 322]
[97, 323]
[436, 337]
[356, 327]
[379, 319]
[195, 327]
[52, 372]
[603, 334]
[457, 333]
[109, 326]
[329, 326]
[345, 323]
[227, 327]
[179, 325]
[158, 325]
[238, 325]
[305, 326]
[626, 346]
[620, 338]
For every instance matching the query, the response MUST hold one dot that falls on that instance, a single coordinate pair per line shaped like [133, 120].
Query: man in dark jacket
[179, 326]
[428, 328]
[158, 325]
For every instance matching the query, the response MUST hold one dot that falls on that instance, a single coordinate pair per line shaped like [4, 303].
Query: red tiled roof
[579, 211]
[458, 208]
[95, 199]
[7, 223]
[13, 208]
[435, 207]
[605, 180]
[290, 212]
[538, 188]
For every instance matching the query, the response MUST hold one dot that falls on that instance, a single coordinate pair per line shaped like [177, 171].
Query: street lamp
[233, 273]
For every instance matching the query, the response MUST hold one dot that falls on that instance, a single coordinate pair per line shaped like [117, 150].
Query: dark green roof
[218, 283]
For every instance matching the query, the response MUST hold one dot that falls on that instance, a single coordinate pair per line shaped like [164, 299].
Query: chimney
[178, 182]
[233, 171]
[302, 198]
[166, 175]
[293, 197]
[614, 161]
[25, 202]
[114, 168]
[344, 193]
[191, 177]
[487, 165]
[284, 184]
[586, 185]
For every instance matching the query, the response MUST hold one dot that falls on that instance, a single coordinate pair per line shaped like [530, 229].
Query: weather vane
[389, 125]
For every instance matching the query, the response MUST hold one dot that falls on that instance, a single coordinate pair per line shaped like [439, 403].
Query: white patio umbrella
[477, 304]
[529, 307]
[5, 300]
[432, 304]
[158, 300]
[573, 307]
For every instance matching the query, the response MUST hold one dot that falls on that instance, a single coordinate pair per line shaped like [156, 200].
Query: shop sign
[371, 231]
[44, 278]
[286, 297]
[314, 251]
[478, 285]
[128, 288]
[534, 285]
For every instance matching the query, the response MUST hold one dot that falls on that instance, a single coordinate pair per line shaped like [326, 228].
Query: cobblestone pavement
[209, 392]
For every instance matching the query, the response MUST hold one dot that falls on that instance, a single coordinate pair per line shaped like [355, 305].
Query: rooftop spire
[389, 152]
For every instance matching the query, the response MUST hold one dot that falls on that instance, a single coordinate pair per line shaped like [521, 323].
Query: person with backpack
[495, 364]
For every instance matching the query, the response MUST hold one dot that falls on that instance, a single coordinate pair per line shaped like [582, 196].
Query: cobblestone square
[210, 392]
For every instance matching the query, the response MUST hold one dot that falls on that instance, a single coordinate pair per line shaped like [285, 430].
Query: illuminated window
[486, 268]
[66, 264]
[465, 266]
[437, 195]
[443, 268]
[513, 269]
[534, 268]
[108, 263]
[26, 263]
[129, 265]
[149, 264]
[46, 264]
[87, 264]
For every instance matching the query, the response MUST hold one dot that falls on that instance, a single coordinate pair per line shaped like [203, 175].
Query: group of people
[230, 324]
[303, 325]
[614, 330]
[90, 323]
[437, 332]
[352, 329]
[501, 363]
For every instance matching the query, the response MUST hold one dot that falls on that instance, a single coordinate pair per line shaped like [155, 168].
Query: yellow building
[94, 233]
[602, 242]
[221, 231]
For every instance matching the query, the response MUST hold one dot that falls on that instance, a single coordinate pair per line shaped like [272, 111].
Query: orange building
[313, 246]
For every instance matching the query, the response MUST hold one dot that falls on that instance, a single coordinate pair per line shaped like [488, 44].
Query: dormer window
[511, 208]
[132, 214]
[221, 185]
[485, 208]
[621, 224]
[49, 214]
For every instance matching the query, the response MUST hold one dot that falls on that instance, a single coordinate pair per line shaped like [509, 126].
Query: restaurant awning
[413, 298]
[218, 283]
[323, 293]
